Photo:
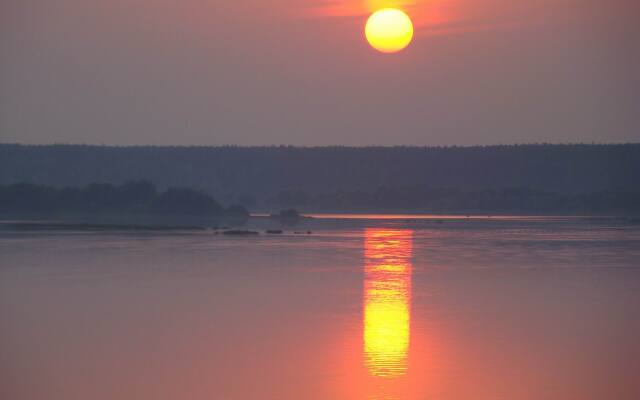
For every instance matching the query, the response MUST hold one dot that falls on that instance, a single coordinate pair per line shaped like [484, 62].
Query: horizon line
[333, 146]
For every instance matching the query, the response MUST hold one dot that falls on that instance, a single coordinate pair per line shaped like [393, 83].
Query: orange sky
[290, 72]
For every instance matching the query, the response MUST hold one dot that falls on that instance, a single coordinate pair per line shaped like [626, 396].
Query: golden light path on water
[387, 301]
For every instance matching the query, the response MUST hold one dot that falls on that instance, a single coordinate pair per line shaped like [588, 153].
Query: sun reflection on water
[387, 301]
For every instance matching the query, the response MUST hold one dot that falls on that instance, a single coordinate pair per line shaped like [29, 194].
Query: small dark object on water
[309, 232]
[274, 231]
[239, 232]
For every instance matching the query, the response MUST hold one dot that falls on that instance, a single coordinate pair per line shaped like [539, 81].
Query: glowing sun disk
[389, 30]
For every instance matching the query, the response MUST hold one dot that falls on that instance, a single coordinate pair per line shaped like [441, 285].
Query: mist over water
[513, 308]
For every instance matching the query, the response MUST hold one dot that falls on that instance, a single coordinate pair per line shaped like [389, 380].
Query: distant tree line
[142, 198]
[248, 175]
[134, 197]
[454, 200]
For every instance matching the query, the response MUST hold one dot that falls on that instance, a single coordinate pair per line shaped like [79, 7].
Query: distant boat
[239, 232]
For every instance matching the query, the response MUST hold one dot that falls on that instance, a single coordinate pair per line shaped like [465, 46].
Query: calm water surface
[375, 308]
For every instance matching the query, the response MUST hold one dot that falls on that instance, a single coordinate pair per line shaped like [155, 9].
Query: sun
[389, 30]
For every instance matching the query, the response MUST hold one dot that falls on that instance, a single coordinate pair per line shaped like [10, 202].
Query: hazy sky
[300, 72]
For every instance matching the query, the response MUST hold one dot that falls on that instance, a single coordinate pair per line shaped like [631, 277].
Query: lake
[364, 307]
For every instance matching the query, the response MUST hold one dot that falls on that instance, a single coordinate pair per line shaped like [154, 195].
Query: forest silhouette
[544, 178]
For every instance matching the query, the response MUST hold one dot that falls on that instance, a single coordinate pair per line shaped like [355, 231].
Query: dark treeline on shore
[254, 174]
[142, 198]
[453, 200]
[133, 198]
[589, 179]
